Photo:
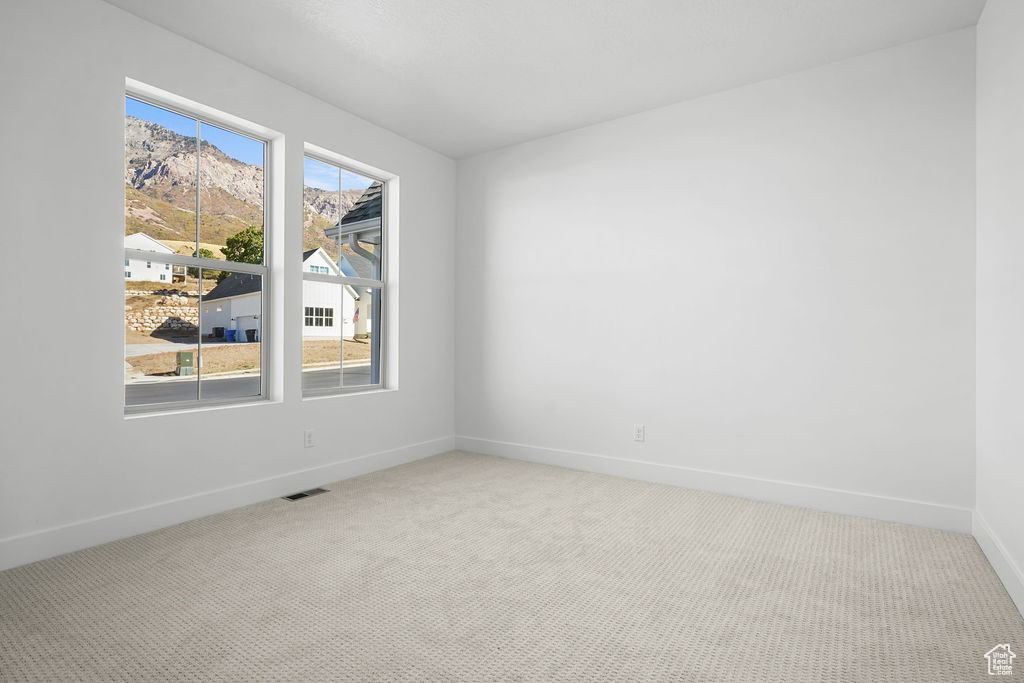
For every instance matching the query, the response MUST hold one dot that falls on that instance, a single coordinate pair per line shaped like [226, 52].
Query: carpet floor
[470, 568]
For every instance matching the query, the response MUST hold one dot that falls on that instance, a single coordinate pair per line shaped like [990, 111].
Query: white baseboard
[1006, 569]
[39, 545]
[886, 508]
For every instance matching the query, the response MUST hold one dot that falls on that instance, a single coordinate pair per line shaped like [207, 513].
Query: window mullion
[199, 285]
[199, 149]
[344, 280]
[196, 262]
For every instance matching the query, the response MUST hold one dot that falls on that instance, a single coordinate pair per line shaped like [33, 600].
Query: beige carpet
[471, 568]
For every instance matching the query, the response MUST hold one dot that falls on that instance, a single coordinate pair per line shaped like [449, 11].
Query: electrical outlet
[639, 432]
[307, 439]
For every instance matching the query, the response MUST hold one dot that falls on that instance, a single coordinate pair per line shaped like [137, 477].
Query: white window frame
[384, 331]
[180, 263]
[309, 313]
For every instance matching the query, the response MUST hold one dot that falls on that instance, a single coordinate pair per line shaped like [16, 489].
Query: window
[127, 273]
[345, 214]
[194, 203]
[316, 316]
[126, 264]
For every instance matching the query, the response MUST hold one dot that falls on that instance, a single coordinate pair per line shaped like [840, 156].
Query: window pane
[321, 199]
[161, 338]
[230, 195]
[361, 343]
[232, 326]
[160, 179]
[321, 343]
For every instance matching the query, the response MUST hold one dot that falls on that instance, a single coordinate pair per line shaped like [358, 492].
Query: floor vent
[305, 494]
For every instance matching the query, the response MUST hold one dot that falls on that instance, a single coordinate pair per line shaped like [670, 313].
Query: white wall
[248, 307]
[141, 269]
[148, 271]
[1000, 480]
[338, 299]
[777, 280]
[70, 467]
[327, 295]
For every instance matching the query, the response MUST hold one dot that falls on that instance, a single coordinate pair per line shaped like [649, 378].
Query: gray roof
[367, 206]
[360, 265]
[234, 284]
[237, 284]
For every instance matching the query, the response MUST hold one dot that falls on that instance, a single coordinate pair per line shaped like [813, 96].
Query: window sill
[355, 391]
[178, 409]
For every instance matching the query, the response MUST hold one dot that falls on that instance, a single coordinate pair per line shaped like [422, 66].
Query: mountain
[160, 191]
[320, 209]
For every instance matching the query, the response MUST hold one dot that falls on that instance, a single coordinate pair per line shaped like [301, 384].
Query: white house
[330, 310]
[234, 304]
[146, 269]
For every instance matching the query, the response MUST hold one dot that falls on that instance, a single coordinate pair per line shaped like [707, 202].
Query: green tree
[244, 247]
[203, 253]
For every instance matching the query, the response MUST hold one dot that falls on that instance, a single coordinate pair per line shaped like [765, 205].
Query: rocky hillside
[160, 192]
[321, 209]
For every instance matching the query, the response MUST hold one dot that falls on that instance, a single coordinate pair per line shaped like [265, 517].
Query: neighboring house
[148, 270]
[329, 309]
[234, 304]
[361, 228]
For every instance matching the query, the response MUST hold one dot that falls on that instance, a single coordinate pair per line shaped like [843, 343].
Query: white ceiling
[464, 76]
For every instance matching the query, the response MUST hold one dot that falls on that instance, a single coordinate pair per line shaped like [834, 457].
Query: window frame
[311, 318]
[180, 263]
[382, 331]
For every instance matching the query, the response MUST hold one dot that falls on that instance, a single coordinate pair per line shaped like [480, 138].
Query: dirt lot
[226, 358]
[240, 357]
[325, 351]
[133, 337]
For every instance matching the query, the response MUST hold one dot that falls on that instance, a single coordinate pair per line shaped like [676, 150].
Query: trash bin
[218, 332]
[250, 334]
[185, 365]
[229, 335]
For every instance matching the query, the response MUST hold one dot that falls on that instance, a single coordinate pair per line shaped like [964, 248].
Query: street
[146, 393]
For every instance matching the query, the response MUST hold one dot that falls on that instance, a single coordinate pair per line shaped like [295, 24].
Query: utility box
[186, 363]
